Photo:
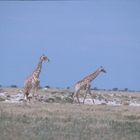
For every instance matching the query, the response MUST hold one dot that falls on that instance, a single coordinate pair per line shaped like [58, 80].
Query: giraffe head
[44, 58]
[102, 69]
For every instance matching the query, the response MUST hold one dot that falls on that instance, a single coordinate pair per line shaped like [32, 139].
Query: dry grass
[68, 122]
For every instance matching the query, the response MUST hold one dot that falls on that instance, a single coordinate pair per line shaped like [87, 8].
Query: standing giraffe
[85, 84]
[32, 82]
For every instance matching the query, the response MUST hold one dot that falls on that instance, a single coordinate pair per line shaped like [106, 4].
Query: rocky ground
[114, 98]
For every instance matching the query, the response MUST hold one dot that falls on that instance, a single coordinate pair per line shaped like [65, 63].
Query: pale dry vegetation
[54, 121]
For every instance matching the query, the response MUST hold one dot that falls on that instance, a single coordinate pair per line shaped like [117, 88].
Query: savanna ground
[66, 121]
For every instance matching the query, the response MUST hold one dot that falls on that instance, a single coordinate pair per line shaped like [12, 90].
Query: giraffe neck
[93, 75]
[37, 71]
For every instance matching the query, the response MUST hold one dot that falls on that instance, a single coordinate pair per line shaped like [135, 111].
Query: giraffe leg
[85, 97]
[77, 96]
[76, 93]
[35, 88]
[26, 93]
[87, 91]
[91, 97]
[72, 95]
[26, 96]
[27, 89]
[33, 94]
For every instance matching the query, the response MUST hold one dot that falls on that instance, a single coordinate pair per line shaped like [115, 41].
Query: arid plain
[52, 116]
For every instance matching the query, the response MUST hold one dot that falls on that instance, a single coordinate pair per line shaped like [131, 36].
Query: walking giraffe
[85, 84]
[32, 82]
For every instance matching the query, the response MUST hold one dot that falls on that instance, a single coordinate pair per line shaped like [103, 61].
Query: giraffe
[32, 82]
[85, 84]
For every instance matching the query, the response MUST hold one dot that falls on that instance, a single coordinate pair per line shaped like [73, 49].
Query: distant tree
[68, 87]
[95, 88]
[0, 85]
[1, 90]
[47, 86]
[126, 89]
[14, 86]
[115, 89]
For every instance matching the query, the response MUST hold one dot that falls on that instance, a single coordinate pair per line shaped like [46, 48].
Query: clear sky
[78, 37]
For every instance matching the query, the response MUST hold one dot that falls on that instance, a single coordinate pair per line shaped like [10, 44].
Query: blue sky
[78, 37]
